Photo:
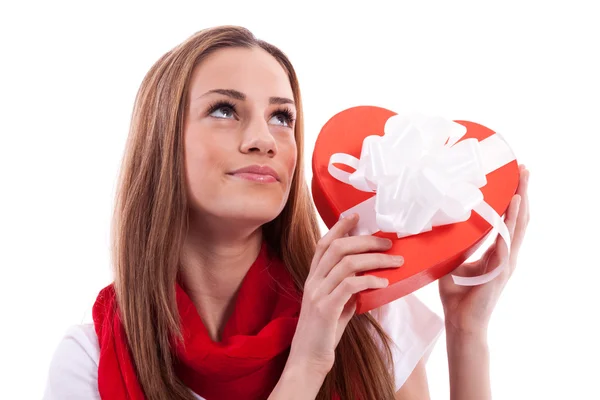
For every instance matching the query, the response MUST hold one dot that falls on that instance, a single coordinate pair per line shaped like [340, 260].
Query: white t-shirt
[413, 327]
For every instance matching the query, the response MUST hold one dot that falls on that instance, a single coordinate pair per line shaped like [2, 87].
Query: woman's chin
[261, 210]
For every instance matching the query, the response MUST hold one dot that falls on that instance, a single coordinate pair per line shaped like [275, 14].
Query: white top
[414, 329]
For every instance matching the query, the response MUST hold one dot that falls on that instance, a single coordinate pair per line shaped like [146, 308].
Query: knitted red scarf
[246, 364]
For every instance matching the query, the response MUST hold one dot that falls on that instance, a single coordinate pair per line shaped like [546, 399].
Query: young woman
[223, 287]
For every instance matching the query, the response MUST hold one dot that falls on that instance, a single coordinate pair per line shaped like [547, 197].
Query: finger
[523, 218]
[341, 228]
[523, 182]
[352, 264]
[350, 286]
[527, 196]
[516, 223]
[345, 246]
[501, 250]
[524, 192]
[348, 311]
[512, 215]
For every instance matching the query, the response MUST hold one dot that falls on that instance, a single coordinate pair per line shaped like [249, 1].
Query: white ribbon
[423, 177]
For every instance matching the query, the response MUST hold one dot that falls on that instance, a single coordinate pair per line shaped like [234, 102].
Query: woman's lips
[257, 173]
[255, 177]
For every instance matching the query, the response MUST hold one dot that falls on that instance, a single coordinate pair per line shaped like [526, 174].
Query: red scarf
[246, 364]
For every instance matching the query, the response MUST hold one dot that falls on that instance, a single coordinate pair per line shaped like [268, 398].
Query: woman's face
[240, 149]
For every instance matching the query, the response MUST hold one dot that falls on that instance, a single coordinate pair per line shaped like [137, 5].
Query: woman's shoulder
[414, 330]
[73, 371]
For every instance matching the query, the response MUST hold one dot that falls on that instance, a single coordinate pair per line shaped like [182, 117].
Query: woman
[223, 289]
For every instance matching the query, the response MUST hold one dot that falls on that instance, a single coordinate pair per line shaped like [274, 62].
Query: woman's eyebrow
[281, 100]
[227, 92]
[241, 96]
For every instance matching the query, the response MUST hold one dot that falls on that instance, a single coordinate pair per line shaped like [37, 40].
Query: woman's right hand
[329, 300]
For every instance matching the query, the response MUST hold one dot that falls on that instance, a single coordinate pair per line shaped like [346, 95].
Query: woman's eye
[281, 119]
[225, 112]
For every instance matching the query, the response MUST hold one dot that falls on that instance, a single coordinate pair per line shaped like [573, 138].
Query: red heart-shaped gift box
[427, 256]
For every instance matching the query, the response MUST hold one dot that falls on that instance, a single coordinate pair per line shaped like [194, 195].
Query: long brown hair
[150, 221]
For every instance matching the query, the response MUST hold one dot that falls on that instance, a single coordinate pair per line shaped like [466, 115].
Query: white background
[530, 70]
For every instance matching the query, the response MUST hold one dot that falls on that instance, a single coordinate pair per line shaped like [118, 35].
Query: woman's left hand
[468, 308]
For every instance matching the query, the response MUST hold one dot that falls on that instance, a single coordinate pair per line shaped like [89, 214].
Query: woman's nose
[258, 139]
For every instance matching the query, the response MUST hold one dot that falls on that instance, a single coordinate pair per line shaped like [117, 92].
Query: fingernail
[383, 282]
[398, 260]
[387, 242]
[350, 217]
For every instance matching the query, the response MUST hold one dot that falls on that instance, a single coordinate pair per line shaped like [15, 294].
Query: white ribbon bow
[423, 178]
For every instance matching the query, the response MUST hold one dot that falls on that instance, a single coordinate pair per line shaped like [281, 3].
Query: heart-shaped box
[427, 256]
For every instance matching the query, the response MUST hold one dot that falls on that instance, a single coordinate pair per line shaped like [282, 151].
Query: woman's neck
[212, 272]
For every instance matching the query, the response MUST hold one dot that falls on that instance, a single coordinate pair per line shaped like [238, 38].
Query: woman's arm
[297, 382]
[468, 309]
[468, 363]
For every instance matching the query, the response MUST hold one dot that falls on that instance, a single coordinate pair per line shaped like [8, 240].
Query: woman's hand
[468, 308]
[328, 302]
